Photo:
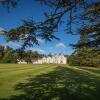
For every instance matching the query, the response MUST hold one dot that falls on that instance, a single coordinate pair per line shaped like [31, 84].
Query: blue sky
[25, 10]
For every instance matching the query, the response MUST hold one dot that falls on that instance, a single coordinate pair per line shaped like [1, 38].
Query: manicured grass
[49, 82]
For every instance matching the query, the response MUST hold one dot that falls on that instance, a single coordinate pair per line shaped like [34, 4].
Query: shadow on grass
[61, 84]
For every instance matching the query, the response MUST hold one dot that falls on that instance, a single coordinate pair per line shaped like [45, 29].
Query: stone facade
[55, 59]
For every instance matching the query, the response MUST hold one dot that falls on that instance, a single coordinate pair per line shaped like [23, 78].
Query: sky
[27, 9]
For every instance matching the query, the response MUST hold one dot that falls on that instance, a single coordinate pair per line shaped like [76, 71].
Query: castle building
[55, 59]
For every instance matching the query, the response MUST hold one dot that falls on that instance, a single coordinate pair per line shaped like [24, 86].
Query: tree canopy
[10, 55]
[84, 13]
[8, 3]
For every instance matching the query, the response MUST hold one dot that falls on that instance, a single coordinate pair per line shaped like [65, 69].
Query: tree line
[85, 57]
[9, 55]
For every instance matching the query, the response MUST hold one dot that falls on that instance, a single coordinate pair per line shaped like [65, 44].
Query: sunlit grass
[49, 82]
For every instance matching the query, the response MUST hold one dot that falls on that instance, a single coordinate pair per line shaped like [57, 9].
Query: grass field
[49, 82]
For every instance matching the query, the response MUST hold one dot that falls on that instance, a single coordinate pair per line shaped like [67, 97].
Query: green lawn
[49, 82]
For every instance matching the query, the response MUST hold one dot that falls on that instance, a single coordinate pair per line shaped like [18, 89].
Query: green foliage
[50, 55]
[29, 33]
[8, 57]
[85, 57]
[1, 52]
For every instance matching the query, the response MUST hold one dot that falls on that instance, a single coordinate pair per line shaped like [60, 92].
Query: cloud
[18, 45]
[40, 40]
[60, 45]
[12, 44]
[51, 48]
[1, 29]
[38, 50]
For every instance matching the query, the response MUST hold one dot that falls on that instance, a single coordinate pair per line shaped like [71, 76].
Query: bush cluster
[85, 57]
